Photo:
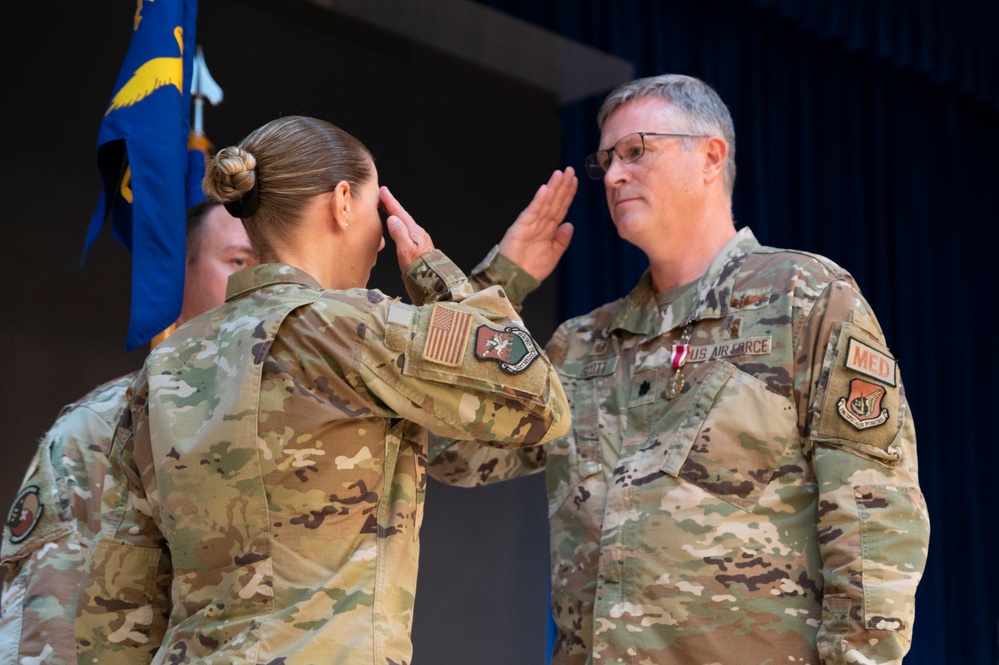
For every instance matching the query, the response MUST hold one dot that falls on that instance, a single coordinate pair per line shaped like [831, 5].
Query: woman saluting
[269, 473]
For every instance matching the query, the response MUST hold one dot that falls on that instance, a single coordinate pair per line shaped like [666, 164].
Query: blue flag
[142, 156]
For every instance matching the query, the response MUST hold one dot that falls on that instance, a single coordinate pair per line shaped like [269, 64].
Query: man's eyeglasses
[629, 149]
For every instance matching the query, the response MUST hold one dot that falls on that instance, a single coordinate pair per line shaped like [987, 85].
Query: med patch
[870, 361]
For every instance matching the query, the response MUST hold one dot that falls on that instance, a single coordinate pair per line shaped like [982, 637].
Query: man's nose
[616, 172]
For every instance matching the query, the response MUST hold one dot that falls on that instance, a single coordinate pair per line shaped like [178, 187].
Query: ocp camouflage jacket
[272, 464]
[768, 513]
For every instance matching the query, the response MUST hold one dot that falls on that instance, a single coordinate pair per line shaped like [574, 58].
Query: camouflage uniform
[51, 526]
[768, 513]
[274, 458]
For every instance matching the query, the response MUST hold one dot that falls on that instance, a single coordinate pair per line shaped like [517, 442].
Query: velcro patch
[862, 407]
[25, 513]
[599, 367]
[447, 337]
[751, 346]
[860, 414]
[867, 360]
[511, 347]
[400, 317]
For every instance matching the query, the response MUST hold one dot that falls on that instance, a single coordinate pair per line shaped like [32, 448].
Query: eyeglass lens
[629, 149]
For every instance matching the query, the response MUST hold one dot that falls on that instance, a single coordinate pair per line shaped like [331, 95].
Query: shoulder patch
[862, 402]
[447, 336]
[862, 408]
[867, 360]
[25, 513]
[511, 347]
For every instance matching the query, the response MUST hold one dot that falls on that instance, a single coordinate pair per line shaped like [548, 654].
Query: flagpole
[203, 87]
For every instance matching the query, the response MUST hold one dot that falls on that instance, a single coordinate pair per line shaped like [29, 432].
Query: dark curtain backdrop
[867, 132]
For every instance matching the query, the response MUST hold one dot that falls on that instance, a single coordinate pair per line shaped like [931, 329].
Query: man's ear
[715, 153]
[340, 204]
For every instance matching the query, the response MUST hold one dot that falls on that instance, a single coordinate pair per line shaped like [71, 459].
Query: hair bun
[231, 179]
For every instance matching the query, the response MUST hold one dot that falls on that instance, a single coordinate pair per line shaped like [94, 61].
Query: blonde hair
[268, 179]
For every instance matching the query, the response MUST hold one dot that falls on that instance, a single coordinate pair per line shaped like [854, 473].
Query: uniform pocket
[891, 518]
[570, 459]
[730, 436]
[116, 603]
[405, 484]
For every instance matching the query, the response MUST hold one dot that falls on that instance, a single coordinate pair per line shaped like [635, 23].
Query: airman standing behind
[56, 515]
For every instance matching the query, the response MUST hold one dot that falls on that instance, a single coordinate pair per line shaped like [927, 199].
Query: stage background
[866, 132]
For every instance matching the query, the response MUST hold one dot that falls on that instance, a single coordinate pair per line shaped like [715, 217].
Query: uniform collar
[267, 274]
[708, 298]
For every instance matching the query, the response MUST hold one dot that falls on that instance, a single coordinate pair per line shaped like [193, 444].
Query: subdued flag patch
[512, 348]
[448, 336]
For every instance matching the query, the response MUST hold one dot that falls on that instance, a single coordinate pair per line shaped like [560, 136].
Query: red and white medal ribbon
[679, 355]
[674, 384]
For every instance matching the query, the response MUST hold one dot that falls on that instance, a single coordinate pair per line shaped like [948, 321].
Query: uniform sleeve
[470, 464]
[467, 463]
[52, 493]
[80, 445]
[123, 607]
[46, 536]
[461, 363]
[497, 270]
[873, 525]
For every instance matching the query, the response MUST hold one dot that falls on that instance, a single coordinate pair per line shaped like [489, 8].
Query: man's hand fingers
[562, 188]
[551, 202]
[563, 234]
[566, 191]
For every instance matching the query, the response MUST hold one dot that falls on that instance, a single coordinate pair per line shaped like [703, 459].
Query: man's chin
[629, 226]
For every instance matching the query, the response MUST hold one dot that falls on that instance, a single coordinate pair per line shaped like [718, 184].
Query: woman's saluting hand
[411, 241]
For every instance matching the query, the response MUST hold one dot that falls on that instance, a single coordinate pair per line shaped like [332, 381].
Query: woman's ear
[340, 202]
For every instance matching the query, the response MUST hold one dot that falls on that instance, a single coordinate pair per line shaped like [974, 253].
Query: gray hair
[694, 107]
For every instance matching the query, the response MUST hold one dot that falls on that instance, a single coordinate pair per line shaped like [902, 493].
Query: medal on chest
[678, 357]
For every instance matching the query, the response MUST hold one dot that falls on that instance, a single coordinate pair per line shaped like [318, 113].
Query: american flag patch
[448, 336]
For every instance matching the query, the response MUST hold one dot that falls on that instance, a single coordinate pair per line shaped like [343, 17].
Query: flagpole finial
[203, 87]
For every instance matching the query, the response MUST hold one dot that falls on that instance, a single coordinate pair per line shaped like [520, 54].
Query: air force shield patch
[512, 348]
[862, 408]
